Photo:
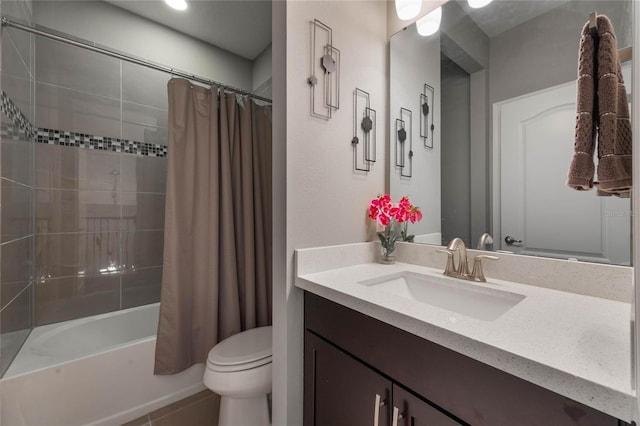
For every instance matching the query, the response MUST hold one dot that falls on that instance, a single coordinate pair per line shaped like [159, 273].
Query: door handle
[397, 415]
[511, 241]
[376, 409]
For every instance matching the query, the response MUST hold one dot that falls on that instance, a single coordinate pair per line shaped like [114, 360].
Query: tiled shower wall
[99, 211]
[16, 171]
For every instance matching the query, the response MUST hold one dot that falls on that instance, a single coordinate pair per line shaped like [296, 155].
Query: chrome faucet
[458, 245]
[484, 241]
[462, 269]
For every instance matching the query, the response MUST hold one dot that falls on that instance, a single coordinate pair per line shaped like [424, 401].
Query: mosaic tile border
[23, 127]
[13, 133]
[101, 143]
[16, 116]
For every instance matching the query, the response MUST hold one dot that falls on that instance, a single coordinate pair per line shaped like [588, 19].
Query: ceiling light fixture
[407, 9]
[177, 4]
[429, 24]
[477, 4]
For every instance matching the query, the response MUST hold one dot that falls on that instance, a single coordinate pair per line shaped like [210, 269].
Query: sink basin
[475, 301]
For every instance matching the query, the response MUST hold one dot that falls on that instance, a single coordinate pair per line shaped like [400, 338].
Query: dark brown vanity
[359, 370]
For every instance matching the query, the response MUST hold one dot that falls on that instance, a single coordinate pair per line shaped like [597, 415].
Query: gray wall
[543, 52]
[17, 169]
[110, 26]
[467, 46]
[262, 73]
[463, 41]
[456, 151]
[479, 151]
[99, 214]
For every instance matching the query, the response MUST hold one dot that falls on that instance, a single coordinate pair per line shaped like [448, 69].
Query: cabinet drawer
[410, 410]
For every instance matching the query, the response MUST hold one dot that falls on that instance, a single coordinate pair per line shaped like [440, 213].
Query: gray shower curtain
[217, 251]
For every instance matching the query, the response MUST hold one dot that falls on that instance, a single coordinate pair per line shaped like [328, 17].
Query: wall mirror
[500, 85]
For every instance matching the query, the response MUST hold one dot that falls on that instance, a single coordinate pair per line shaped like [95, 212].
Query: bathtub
[91, 371]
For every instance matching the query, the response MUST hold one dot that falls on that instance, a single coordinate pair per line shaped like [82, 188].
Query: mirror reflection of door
[530, 134]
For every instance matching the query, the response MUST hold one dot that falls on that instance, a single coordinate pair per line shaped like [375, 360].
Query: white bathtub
[96, 370]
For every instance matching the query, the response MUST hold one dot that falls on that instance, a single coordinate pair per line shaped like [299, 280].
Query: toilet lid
[243, 348]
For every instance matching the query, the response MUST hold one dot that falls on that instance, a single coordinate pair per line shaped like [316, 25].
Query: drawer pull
[376, 410]
[397, 415]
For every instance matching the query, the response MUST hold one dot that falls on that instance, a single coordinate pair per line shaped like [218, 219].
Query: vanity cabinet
[346, 392]
[356, 367]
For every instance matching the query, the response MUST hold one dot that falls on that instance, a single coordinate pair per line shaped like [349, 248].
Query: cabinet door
[341, 391]
[408, 410]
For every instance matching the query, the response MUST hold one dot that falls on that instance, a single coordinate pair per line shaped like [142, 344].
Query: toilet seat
[243, 351]
[239, 369]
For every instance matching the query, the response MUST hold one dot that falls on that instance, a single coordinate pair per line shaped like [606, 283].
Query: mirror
[503, 114]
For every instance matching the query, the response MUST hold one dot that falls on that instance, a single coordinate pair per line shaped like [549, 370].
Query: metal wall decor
[364, 124]
[402, 135]
[325, 72]
[426, 115]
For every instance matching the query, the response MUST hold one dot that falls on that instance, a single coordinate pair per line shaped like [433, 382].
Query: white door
[533, 139]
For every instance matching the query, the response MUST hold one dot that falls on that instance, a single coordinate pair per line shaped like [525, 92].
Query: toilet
[239, 370]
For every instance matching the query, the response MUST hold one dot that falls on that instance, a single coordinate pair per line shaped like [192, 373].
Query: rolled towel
[602, 111]
[614, 126]
[582, 169]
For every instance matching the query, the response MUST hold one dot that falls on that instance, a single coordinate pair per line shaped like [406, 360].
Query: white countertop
[575, 345]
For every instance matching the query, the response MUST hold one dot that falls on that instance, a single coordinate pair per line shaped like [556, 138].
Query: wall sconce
[367, 127]
[477, 4]
[402, 124]
[429, 24]
[407, 9]
[426, 115]
[325, 61]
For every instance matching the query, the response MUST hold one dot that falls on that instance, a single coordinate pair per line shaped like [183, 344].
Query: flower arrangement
[392, 216]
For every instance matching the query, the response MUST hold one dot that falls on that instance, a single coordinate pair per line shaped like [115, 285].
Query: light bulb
[429, 24]
[477, 4]
[177, 4]
[407, 9]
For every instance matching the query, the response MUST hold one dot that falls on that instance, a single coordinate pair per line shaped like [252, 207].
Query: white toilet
[239, 370]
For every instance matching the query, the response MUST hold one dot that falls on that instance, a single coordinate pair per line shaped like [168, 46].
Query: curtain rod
[6, 22]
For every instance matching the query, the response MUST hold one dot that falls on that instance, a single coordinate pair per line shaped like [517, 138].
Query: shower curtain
[217, 251]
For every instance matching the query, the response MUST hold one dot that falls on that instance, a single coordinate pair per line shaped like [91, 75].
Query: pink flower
[383, 219]
[382, 210]
[404, 203]
[415, 215]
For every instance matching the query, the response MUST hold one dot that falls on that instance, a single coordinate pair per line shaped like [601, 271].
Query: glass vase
[388, 240]
[387, 257]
